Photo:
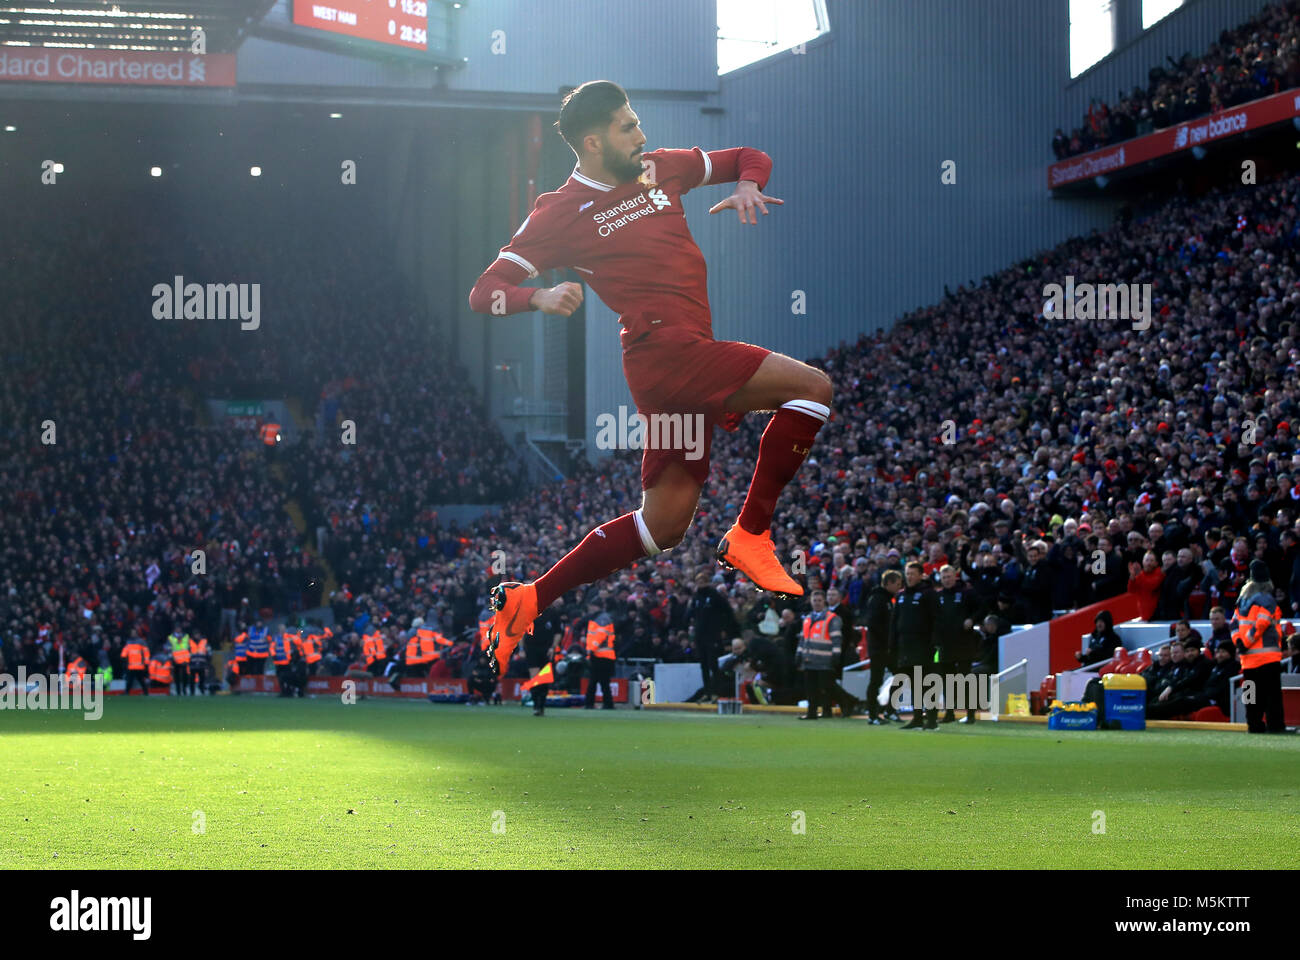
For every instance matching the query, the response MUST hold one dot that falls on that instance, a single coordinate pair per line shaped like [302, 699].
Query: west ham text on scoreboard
[402, 23]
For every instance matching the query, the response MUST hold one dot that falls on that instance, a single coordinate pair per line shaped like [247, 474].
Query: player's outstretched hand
[561, 299]
[744, 200]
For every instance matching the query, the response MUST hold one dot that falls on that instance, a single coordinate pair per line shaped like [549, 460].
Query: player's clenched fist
[561, 299]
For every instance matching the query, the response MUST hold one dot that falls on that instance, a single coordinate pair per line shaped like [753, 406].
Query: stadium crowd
[112, 475]
[1054, 461]
[1256, 59]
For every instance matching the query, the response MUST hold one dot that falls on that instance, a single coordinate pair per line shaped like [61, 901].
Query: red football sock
[785, 444]
[611, 546]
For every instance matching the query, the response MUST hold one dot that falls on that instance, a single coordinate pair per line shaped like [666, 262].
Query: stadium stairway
[294, 508]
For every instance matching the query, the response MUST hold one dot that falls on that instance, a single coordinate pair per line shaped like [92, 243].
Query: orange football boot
[516, 609]
[755, 557]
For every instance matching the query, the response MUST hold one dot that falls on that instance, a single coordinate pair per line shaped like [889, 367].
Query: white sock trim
[814, 409]
[647, 541]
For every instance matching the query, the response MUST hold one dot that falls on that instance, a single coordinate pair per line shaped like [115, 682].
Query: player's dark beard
[621, 168]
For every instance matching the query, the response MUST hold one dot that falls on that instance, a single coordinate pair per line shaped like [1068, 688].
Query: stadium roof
[128, 24]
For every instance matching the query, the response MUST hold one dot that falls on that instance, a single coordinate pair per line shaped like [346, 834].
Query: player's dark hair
[587, 107]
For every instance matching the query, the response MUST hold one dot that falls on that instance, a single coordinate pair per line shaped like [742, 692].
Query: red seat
[1143, 660]
[1047, 689]
[1196, 604]
[1210, 714]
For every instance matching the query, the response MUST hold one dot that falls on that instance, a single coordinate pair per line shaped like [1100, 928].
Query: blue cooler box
[1125, 700]
[1072, 716]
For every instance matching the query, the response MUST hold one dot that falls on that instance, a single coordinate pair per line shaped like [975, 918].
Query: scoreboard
[399, 23]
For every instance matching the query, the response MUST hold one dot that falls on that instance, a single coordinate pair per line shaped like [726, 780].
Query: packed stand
[1259, 58]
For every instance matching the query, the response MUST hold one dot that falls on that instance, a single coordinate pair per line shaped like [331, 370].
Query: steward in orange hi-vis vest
[419, 648]
[270, 434]
[136, 655]
[311, 645]
[76, 671]
[200, 662]
[160, 671]
[374, 651]
[1257, 635]
[600, 657]
[282, 648]
[816, 654]
[600, 638]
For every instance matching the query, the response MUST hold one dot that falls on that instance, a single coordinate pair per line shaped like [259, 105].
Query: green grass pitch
[315, 783]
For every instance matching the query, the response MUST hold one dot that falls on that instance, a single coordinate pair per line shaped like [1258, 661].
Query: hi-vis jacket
[310, 645]
[600, 637]
[136, 655]
[282, 648]
[1255, 631]
[372, 647]
[420, 647]
[180, 644]
[258, 645]
[820, 644]
[160, 670]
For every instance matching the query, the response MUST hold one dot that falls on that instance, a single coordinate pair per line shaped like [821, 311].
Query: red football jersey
[630, 242]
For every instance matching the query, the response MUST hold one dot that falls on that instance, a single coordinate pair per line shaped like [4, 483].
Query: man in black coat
[992, 628]
[1190, 671]
[1180, 580]
[836, 604]
[1106, 570]
[1036, 585]
[879, 621]
[914, 613]
[714, 622]
[1158, 674]
[954, 635]
[984, 577]
[1102, 642]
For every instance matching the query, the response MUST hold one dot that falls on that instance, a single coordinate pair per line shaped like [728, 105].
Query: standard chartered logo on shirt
[633, 208]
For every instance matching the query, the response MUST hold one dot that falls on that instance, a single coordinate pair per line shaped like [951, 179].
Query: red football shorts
[680, 371]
